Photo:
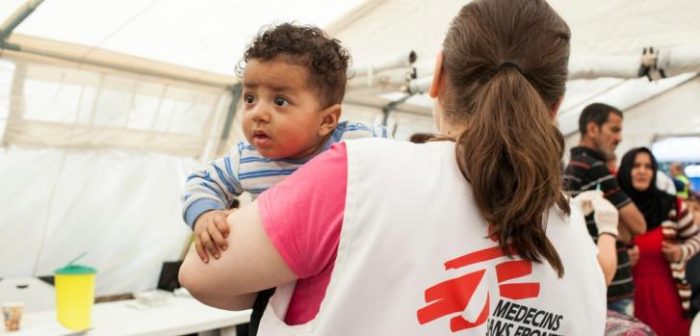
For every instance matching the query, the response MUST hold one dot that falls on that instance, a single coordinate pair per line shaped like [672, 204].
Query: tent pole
[139, 69]
[236, 92]
[17, 17]
[386, 109]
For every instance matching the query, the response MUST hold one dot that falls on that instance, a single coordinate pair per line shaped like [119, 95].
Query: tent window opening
[62, 106]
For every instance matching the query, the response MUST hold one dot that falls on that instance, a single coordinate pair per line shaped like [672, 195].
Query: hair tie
[510, 64]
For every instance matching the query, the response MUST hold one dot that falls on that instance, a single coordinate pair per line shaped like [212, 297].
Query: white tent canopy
[105, 106]
[204, 35]
[600, 30]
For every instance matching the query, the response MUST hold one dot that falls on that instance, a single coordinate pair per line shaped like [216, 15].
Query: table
[36, 294]
[178, 316]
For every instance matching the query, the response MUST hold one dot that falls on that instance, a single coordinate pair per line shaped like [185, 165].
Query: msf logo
[451, 297]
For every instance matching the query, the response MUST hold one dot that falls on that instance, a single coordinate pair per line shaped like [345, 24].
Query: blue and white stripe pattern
[245, 170]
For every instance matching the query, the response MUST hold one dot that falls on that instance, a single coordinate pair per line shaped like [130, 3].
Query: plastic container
[75, 295]
[12, 314]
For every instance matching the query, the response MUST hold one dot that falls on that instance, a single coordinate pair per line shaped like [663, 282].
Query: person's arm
[251, 264]
[290, 232]
[607, 219]
[212, 188]
[632, 222]
[607, 256]
[631, 219]
[688, 232]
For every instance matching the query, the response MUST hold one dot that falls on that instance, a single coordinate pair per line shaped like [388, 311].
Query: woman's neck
[450, 129]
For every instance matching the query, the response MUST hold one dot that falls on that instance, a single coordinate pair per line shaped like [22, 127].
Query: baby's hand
[210, 232]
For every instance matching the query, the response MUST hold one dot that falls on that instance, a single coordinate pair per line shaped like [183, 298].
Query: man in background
[600, 126]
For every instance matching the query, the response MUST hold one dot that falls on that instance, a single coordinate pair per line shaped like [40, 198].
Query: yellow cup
[75, 294]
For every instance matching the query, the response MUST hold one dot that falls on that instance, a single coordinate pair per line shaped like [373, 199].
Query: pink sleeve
[303, 214]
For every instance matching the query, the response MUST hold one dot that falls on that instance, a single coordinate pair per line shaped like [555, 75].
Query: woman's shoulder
[393, 144]
[391, 152]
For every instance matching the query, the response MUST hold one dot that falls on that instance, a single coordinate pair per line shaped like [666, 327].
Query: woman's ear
[436, 85]
[329, 119]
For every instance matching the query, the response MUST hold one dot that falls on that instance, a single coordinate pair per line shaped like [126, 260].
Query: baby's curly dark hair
[308, 46]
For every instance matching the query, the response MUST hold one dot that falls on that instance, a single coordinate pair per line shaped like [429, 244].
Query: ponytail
[506, 65]
[511, 154]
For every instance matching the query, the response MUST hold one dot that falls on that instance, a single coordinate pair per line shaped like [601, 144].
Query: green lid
[74, 269]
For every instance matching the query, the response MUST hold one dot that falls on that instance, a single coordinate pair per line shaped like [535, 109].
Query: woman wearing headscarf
[662, 294]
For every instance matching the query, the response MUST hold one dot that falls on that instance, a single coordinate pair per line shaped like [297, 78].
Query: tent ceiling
[211, 35]
[623, 94]
[599, 28]
[206, 35]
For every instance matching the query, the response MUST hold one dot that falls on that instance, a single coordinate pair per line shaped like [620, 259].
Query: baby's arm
[208, 193]
[213, 188]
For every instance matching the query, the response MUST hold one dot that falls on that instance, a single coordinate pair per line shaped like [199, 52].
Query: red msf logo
[452, 296]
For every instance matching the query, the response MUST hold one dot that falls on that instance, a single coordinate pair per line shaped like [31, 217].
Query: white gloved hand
[584, 200]
[605, 214]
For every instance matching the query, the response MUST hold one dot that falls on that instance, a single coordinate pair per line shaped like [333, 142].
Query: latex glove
[605, 215]
[584, 200]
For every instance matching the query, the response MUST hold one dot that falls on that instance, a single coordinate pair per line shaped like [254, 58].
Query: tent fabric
[623, 94]
[206, 35]
[95, 160]
[599, 28]
[672, 113]
[120, 207]
[61, 106]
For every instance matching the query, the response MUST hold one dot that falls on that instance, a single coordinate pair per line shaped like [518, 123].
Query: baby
[293, 84]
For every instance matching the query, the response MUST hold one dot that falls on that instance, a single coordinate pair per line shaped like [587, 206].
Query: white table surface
[179, 315]
[36, 295]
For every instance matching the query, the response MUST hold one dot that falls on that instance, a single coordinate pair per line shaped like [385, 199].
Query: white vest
[413, 259]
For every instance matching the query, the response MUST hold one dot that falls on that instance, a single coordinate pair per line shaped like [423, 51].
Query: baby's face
[281, 112]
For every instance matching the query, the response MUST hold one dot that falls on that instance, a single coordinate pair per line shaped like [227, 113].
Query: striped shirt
[680, 229]
[245, 170]
[587, 171]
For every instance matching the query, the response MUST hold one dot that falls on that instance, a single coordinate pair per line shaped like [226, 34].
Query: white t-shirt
[414, 259]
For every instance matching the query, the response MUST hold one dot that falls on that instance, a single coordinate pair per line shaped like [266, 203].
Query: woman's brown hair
[505, 63]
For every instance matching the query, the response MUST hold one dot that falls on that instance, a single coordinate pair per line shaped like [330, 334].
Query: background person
[662, 296]
[601, 128]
